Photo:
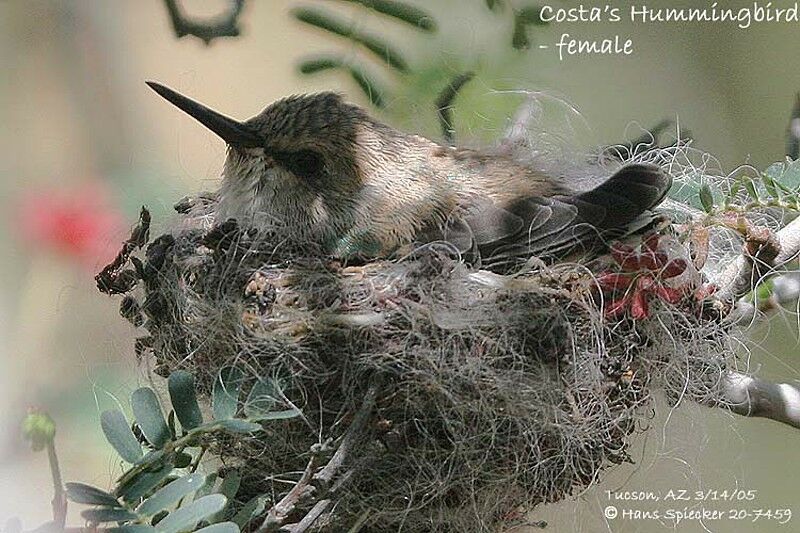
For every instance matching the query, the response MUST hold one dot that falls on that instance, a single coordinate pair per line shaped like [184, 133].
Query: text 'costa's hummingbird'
[315, 170]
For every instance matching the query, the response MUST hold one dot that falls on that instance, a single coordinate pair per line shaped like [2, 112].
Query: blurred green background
[84, 143]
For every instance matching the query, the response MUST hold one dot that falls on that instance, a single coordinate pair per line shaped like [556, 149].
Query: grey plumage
[314, 169]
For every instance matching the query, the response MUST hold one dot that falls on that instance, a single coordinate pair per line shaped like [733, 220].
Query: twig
[309, 519]
[755, 397]
[317, 485]
[743, 274]
[352, 435]
[281, 510]
[225, 25]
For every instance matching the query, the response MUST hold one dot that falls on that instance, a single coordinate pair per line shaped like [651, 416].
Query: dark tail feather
[622, 198]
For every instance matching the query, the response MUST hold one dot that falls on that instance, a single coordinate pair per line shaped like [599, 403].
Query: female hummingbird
[315, 170]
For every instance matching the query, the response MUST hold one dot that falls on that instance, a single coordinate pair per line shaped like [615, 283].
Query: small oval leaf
[222, 527]
[119, 435]
[169, 494]
[141, 485]
[147, 410]
[82, 493]
[228, 488]
[188, 516]
[706, 198]
[184, 401]
[132, 528]
[107, 514]
[240, 426]
[278, 415]
[403, 12]
[318, 64]
[251, 509]
[750, 185]
[225, 396]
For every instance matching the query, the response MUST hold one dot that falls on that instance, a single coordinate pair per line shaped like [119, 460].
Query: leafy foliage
[384, 51]
[163, 490]
[778, 186]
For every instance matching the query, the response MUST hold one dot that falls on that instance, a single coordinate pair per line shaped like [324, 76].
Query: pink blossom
[81, 225]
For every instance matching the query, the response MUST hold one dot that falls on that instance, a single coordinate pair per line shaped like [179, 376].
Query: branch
[769, 255]
[317, 485]
[224, 25]
[751, 396]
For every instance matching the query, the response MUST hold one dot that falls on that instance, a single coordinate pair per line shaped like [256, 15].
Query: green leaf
[222, 527]
[769, 185]
[169, 494]
[250, 510]
[706, 198]
[523, 18]
[119, 435]
[736, 186]
[531, 15]
[132, 528]
[240, 426]
[184, 401]
[188, 516]
[402, 12]
[183, 459]
[147, 411]
[278, 415]
[368, 86]
[750, 185]
[342, 28]
[317, 64]
[142, 484]
[208, 486]
[791, 176]
[225, 396]
[228, 488]
[106, 514]
[82, 493]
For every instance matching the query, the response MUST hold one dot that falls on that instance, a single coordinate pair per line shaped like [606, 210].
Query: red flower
[642, 278]
[80, 224]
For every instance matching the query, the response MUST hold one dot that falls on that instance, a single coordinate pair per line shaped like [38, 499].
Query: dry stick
[309, 519]
[277, 515]
[311, 485]
[351, 437]
[226, 25]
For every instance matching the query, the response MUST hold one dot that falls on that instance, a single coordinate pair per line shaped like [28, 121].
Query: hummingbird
[319, 172]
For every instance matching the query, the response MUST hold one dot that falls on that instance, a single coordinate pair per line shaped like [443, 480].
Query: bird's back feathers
[501, 236]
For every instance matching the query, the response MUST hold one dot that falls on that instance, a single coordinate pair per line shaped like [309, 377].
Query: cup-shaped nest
[492, 392]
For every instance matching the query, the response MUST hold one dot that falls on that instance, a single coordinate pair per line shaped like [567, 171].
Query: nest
[492, 393]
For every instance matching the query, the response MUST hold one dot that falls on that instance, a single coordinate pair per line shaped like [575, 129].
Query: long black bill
[232, 131]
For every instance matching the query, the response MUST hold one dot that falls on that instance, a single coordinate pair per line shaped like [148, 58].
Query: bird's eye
[306, 164]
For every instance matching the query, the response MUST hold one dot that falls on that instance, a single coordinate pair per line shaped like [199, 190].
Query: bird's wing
[549, 227]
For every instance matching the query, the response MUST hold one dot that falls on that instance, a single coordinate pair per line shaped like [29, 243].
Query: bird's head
[297, 167]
